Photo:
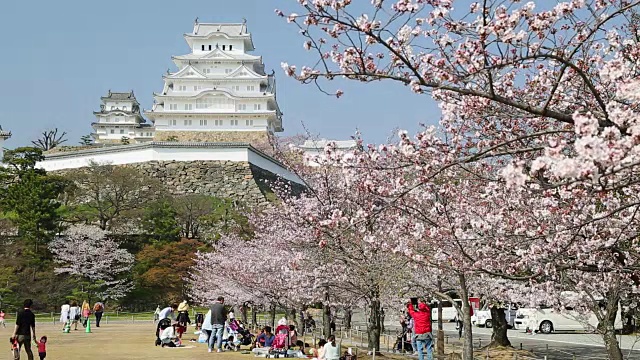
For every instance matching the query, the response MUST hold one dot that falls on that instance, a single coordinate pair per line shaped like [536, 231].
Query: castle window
[230, 47]
[209, 48]
[187, 122]
[174, 122]
[121, 131]
[257, 106]
[233, 122]
[203, 122]
[112, 131]
[251, 88]
[219, 122]
[202, 47]
[182, 88]
[249, 122]
[236, 87]
[226, 71]
[224, 47]
[188, 106]
[242, 107]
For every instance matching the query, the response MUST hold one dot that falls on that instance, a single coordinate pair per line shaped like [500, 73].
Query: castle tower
[119, 117]
[4, 136]
[220, 92]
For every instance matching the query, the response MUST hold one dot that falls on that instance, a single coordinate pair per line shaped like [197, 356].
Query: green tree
[159, 221]
[29, 198]
[86, 140]
[108, 194]
[206, 217]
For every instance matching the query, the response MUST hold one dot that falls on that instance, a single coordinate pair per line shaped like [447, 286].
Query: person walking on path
[42, 348]
[86, 312]
[218, 318]
[25, 330]
[64, 314]
[74, 314]
[156, 314]
[422, 327]
[2, 314]
[98, 310]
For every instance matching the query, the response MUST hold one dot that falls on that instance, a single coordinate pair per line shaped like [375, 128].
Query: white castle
[212, 109]
[220, 92]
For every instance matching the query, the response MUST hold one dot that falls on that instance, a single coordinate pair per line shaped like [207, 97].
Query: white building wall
[236, 44]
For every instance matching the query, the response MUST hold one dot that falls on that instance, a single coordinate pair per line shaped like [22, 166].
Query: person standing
[4, 325]
[25, 329]
[64, 313]
[218, 318]
[422, 327]
[74, 314]
[156, 314]
[98, 310]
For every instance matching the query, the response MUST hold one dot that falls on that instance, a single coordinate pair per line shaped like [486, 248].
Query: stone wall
[226, 179]
[212, 136]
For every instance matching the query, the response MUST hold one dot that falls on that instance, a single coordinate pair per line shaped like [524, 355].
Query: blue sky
[59, 57]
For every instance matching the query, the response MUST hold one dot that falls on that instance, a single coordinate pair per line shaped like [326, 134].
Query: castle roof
[229, 31]
[321, 143]
[4, 134]
[120, 96]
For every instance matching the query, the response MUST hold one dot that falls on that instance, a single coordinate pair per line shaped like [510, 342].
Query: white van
[547, 320]
[449, 312]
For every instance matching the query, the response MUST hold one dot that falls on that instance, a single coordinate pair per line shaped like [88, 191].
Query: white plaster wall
[1, 149]
[238, 45]
[146, 154]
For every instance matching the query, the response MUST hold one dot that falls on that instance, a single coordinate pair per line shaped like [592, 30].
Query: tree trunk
[607, 327]
[382, 320]
[326, 319]
[373, 326]
[243, 312]
[273, 317]
[293, 316]
[499, 322]
[467, 349]
[254, 315]
[347, 318]
[440, 341]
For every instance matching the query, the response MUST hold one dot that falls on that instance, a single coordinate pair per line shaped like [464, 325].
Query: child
[2, 319]
[42, 348]
[15, 349]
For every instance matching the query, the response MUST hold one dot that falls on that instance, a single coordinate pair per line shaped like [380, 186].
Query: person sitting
[168, 336]
[264, 341]
[266, 338]
[293, 334]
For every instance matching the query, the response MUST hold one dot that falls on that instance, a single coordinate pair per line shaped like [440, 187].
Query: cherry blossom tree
[540, 99]
[87, 252]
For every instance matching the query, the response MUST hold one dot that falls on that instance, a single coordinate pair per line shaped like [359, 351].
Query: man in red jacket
[422, 327]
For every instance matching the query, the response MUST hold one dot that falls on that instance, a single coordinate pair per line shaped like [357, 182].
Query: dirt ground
[117, 341]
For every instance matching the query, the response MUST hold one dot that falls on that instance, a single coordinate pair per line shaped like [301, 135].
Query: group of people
[71, 314]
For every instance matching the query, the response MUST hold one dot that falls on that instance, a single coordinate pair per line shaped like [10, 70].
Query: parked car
[547, 320]
[483, 317]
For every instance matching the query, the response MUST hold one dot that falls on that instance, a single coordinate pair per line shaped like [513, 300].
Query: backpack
[97, 307]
